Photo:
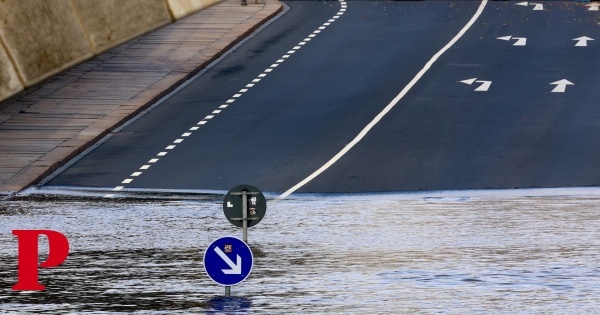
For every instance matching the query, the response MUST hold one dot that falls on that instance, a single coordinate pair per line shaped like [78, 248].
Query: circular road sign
[228, 260]
[233, 205]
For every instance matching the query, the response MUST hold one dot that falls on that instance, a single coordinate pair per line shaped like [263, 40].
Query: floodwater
[472, 252]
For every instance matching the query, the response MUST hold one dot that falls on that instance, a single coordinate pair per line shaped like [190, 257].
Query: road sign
[228, 260]
[233, 205]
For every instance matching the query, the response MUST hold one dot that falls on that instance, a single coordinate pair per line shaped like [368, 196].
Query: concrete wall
[39, 38]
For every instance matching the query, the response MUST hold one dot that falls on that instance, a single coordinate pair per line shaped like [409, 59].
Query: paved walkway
[44, 127]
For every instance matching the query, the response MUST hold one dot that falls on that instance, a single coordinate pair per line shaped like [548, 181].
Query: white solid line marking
[136, 174]
[127, 181]
[171, 147]
[389, 107]
[153, 161]
[145, 167]
[109, 195]
[162, 154]
[118, 188]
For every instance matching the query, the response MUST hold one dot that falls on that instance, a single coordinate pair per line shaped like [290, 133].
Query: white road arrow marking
[593, 6]
[485, 85]
[537, 6]
[236, 269]
[521, 41]
[469, 81]
[561, 85]
[582, 41]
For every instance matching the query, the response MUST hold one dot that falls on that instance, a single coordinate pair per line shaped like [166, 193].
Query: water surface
[530, 252]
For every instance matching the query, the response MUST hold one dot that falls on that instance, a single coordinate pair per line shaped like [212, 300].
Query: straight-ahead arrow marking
[561, 86]
[593, 6]
[236, 269]
[485, 85]
[582, 41]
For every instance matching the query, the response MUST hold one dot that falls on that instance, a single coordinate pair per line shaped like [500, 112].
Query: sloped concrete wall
[182, 8]
[9, 79]
[111, 22]
[39, 38]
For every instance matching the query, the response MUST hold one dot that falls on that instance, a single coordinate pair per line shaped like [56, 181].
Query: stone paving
[45, 126]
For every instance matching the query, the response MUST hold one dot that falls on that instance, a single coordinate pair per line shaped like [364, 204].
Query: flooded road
[531, 251]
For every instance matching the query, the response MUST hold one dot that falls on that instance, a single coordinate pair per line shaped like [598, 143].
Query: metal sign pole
[245, 216]
[227, 291]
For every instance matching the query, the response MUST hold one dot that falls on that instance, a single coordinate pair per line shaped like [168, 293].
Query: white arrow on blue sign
[228, 260]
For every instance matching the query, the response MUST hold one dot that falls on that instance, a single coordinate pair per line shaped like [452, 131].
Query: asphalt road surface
[378, 96]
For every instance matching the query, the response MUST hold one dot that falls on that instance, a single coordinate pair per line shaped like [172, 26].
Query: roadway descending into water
[507, 100]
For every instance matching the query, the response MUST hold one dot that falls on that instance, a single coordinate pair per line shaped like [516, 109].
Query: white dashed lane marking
[272, 67]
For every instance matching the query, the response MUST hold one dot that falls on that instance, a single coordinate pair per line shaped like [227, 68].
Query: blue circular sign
[228, 260]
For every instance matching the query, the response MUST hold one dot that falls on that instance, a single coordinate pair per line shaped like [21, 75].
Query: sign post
[244, 206]
[228, 261]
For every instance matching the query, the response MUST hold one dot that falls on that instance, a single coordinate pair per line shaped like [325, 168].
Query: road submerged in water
[524, 251]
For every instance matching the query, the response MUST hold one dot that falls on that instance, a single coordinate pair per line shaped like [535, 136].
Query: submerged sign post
[228, 261]
[244, 206]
